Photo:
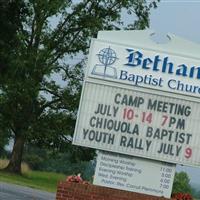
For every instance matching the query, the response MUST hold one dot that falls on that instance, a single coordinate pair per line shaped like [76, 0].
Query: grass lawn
[46, 181]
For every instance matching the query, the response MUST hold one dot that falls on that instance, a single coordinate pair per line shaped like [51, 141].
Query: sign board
[141, 101]
[134, 174]
[139, 123]
[144, 68]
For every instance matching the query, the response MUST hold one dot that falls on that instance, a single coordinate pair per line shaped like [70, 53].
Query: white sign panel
[144, 68]
[139, 123]
[134, 174]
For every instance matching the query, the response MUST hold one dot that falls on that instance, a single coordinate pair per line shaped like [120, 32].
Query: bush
[44, 160]
[181, 183]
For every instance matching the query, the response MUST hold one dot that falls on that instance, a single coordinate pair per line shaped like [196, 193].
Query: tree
[7, 42]
[46, 35]
[9, 24]
[4, 135]
[181, 183]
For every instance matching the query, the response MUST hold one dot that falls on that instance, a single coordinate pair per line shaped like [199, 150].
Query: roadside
[45, 181]
[15, 192]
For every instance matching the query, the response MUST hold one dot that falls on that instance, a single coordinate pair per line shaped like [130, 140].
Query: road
[15, 192]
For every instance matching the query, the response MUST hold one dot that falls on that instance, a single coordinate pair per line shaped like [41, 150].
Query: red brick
[77, 191]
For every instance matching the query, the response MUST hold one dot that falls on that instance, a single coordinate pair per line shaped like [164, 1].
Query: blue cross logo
[107, 57]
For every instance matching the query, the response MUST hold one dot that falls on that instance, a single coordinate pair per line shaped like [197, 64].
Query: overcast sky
[178, 17]
[182, 19]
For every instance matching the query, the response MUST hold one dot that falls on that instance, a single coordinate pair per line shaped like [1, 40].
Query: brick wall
[78, 191]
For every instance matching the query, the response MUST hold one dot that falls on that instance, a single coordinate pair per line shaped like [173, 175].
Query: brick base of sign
[78, 191]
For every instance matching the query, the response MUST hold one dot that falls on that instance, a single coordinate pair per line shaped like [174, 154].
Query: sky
[178, 17]
[181, 18]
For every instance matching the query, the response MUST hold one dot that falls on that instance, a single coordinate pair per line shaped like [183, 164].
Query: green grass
[46, 181]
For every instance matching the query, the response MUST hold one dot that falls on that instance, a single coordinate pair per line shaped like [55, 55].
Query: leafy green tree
[7, 42]
[46, 36]
[181, 183]
[4, 137]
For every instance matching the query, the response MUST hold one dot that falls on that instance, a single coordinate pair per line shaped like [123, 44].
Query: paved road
[15, 192]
